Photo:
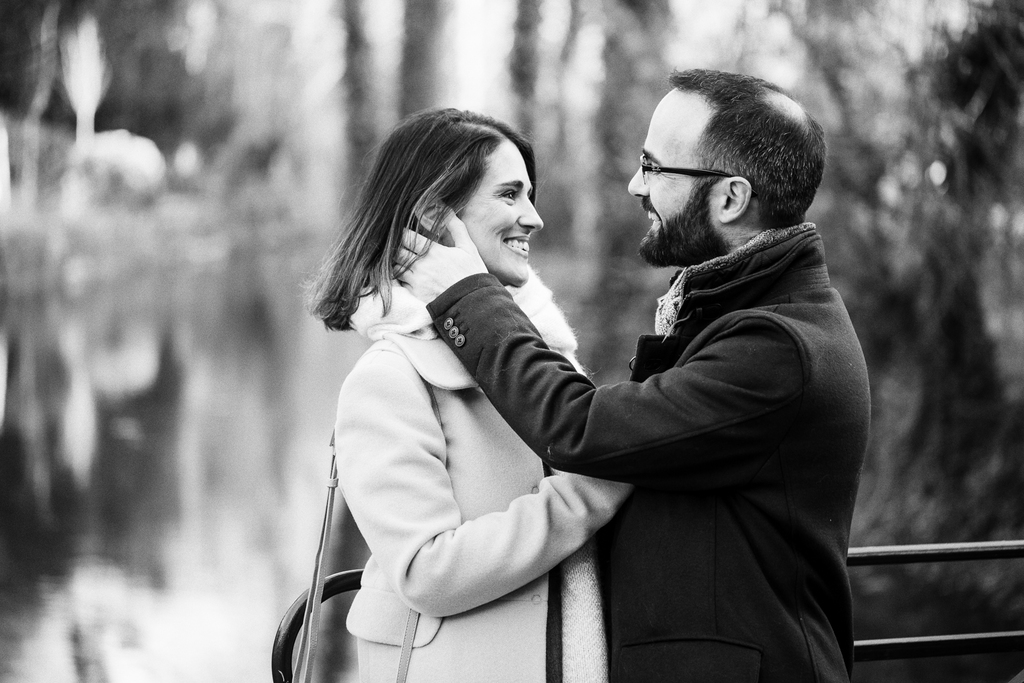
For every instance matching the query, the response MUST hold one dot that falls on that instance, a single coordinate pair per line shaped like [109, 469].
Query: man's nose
[637, 186]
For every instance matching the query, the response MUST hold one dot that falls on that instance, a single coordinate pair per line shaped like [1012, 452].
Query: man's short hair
[759, 132]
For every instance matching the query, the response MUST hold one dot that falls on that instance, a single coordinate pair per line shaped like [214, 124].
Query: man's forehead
[676, 126]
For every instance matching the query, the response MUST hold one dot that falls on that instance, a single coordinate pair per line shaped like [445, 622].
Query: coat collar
[763, 271]
[434, 361]
[772, 264]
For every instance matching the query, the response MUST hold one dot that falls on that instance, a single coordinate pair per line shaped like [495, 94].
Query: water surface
[162, 461]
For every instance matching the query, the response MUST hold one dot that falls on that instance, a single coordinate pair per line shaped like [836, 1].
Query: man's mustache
[645, 203]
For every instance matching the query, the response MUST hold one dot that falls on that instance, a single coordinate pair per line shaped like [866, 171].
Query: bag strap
[410, 634]
[311, 615]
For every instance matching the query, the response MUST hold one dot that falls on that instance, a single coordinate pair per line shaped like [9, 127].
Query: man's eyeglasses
[647, 168]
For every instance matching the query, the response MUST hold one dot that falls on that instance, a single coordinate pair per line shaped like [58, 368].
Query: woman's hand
[439, 267]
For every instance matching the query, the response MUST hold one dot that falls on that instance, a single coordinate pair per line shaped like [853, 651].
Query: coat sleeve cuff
[470, 315]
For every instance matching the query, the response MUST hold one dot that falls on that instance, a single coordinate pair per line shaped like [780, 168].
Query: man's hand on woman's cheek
[439, 267]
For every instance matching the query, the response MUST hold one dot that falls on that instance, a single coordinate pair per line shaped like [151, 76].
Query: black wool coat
[744, 432]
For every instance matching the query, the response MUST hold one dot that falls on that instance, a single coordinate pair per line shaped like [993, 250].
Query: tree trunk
[424, 23]
[523, 63]
[560, 159]
[350, 551]
[361, 130]
[5, 177]
[635, 80]
[46, 72]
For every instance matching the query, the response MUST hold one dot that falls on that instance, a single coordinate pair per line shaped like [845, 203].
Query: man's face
[682, 232]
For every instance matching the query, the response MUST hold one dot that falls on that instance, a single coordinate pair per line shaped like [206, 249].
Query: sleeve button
[448, 322]
[460, 340]
[453, 333]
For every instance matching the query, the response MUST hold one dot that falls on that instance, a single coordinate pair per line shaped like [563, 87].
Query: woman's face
[500, 216]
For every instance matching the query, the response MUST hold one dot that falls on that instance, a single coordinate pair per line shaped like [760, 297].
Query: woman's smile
[519, 245]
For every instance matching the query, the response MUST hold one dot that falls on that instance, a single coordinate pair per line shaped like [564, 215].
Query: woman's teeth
[520, 245]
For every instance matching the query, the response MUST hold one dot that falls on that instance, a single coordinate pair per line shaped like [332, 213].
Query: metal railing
[863, 650]
[944, 645]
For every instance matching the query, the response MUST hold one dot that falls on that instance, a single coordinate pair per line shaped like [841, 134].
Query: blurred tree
[361, 130]
[524, 63]
[150, 87]
[920, 258]
[967, 436]
[565, 57]
[39, 508]
[5, 166]
[563, 173]
[635, 80]
[45, 49]
[19, 57]
[28, 67]
[257, 67]
[350, 550]
[86, 75]
[424, 33]
[149, 90]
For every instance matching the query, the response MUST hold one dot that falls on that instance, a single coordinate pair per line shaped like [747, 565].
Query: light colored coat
[462, 524]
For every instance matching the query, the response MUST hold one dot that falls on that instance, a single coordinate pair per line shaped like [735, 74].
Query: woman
[465, 526]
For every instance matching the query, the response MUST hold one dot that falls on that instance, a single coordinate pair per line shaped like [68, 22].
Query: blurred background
[172, 171]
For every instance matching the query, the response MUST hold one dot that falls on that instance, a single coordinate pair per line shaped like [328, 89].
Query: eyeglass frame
[648, 167]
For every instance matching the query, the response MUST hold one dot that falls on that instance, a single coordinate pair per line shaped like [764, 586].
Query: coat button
[453, 333]
[460, 340]
[448, 322]
[536, 599]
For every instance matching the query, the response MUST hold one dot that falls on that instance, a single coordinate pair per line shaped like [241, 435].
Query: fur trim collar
[670, 303]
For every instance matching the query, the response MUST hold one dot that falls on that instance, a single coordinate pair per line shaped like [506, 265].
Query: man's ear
[733, 201]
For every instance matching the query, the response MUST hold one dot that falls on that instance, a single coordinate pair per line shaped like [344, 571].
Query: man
[745, 421]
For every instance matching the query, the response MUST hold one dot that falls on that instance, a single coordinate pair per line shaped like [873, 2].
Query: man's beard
[687, 238]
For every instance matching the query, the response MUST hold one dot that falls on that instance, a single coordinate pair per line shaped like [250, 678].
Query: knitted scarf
[584, 648]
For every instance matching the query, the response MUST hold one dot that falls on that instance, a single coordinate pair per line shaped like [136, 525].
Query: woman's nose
[530, 218]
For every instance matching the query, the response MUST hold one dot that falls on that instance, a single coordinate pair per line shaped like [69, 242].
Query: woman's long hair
[435, 158]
